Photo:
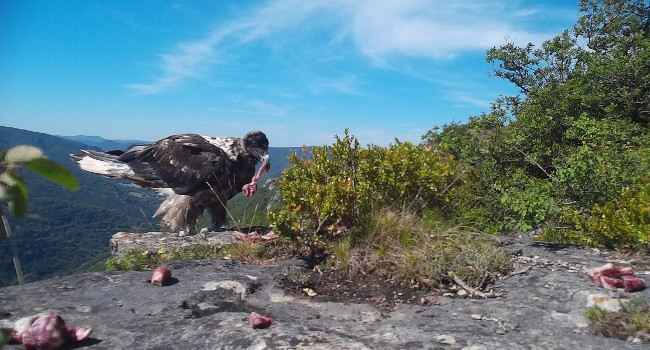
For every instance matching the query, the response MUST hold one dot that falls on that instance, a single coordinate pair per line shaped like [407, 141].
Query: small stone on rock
[446, 339]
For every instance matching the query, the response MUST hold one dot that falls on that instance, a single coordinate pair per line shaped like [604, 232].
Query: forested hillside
[64, 228]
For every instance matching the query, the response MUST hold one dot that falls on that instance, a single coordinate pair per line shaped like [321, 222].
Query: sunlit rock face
[207, 305]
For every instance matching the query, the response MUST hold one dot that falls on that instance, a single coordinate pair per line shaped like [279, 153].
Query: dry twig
[469, 289]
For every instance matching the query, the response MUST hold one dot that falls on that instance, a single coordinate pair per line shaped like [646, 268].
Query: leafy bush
[527, 203]
[410, 175]
[335, 190]
[379, 210]
[322, 190]
[622, 222]
[612, 155]
[14, 192]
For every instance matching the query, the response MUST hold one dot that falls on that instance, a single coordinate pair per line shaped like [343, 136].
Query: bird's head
[257, 144]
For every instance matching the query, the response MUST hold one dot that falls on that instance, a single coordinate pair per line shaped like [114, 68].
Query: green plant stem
[19, 271]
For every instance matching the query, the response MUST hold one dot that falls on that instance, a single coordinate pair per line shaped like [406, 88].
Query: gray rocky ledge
[206, 305]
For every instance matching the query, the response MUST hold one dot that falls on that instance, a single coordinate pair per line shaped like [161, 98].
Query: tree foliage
[575, 140]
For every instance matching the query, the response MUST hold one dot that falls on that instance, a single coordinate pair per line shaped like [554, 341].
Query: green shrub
[322, 190]
[623, 222]
[527, 202]
[12, 186]
[410, 176]
[594, 174]
[334, 191]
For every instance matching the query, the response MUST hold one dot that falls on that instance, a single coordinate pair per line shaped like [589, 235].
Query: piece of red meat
[20, 326]
[258, 321]
[160, 276]
[611, 270]
[46, 332]
[613, 276]
[611, 282]
[254, 236]
[79, 334]
[632, 283]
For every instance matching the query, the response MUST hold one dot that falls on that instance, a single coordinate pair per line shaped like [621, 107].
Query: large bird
[194, 172]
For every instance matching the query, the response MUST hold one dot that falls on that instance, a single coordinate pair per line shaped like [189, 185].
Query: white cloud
[262, 107]
[379, 29]
[255, 106]
[432, 29]
[187, 61]
[331, 59]
[347, 84]
[463, 98]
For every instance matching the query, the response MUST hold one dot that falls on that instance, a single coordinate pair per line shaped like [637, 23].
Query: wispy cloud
[347, 84]
[463, 98]
[188, 60]
[330, 59]
[255, 106]
[379, 30]
[432, 29]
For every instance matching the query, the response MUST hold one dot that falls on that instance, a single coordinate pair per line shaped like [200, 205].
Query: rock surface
[207, 303]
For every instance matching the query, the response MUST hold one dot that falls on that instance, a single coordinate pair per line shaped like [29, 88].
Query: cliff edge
[207, 302]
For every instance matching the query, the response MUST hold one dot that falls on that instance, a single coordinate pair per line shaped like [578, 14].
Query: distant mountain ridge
[105, 144]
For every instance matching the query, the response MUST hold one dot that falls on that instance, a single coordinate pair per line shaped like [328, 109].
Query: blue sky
[300, 70]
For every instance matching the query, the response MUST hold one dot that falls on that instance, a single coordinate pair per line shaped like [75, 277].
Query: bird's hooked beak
[266, 163]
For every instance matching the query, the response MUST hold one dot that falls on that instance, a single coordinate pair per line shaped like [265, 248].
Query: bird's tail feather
[103, 164]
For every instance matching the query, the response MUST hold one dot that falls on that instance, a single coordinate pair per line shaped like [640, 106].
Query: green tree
[575, 136]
